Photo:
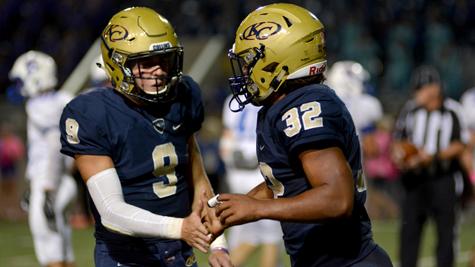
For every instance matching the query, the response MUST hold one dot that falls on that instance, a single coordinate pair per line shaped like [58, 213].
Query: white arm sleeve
[118, 216]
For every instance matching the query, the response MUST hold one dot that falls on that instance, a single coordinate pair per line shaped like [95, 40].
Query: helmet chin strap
[162, 94]
[277, 81]
[159, 89]
[273, 87]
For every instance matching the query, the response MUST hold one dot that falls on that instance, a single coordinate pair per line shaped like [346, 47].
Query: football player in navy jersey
[135, 148]
[307, 145]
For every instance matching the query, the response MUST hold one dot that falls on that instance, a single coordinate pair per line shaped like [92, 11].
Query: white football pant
[52, 245]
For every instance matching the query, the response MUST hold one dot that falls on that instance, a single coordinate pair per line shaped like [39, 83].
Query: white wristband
[219, 243]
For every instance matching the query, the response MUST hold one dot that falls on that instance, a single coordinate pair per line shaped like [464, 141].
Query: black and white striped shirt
[432, 131]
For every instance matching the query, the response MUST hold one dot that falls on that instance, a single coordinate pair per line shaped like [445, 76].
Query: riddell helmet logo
[314, 70]
[261, 30]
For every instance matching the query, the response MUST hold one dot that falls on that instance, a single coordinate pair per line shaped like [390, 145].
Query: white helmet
[347, 78]
[36, 71]
[97, 73]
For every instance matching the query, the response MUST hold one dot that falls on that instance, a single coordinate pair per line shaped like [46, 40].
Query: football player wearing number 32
[307, 145]
[135, 148]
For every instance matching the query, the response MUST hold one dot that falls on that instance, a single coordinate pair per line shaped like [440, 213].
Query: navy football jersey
[149, 149]
[313, 117]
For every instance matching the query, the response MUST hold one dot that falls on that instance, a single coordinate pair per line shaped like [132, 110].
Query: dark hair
[290, 85]
[423, 75]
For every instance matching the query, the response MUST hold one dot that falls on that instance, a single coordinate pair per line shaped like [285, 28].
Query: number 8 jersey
[149, 148]
[313, 117]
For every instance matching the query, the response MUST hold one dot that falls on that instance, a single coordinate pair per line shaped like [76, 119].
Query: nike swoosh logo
[176, 127]
[261, 147]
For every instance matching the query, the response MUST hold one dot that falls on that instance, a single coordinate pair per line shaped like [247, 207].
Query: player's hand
[219, 258]
[425, 158]
[193, 231]
[210, 220]
[422, 159]
[25, 199]
[237, 209]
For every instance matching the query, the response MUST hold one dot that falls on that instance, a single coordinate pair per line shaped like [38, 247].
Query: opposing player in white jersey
[51, 186]
[238, 150]
[468, 158]
[468, 103]
[348, 79]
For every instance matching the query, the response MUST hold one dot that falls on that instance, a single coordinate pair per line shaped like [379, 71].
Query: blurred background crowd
[389, 38]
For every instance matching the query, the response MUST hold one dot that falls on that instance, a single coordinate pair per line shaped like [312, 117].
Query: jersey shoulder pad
[81, 124]
[191, 88]
[87, 105]
[189, 95]
[310, 116]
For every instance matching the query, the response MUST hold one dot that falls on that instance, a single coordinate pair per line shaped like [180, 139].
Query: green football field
[16, 248]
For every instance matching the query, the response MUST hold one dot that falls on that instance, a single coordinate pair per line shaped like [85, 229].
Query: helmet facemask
[169, 60]
[243, 88]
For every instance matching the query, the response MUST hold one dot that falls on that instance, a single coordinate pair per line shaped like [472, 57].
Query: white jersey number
[361, 182]
[306, 115]
[275, 185]
[165, 161]
[72, 129]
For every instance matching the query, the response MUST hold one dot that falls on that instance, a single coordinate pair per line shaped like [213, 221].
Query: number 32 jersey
[149, 152]
[313, 117]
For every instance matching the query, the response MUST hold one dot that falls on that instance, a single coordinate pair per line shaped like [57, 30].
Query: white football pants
[52, 240]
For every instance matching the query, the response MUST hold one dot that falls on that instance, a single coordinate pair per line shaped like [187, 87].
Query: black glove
[48, 209]
[25, 200]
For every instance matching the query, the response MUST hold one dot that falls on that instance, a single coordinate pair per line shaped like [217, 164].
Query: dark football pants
[437, 199]
[170, 253]
[377, 258]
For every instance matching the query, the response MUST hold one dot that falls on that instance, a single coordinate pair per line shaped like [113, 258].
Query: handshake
[204, 227]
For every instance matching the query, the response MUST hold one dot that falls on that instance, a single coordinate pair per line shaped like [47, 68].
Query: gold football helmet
[138, 33]
[275, 43]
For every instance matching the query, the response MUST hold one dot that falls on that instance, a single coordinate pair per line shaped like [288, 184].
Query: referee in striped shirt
[432, 176]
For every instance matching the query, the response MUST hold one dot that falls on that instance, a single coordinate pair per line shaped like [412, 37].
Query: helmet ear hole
[271, 67]
[287, 21]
